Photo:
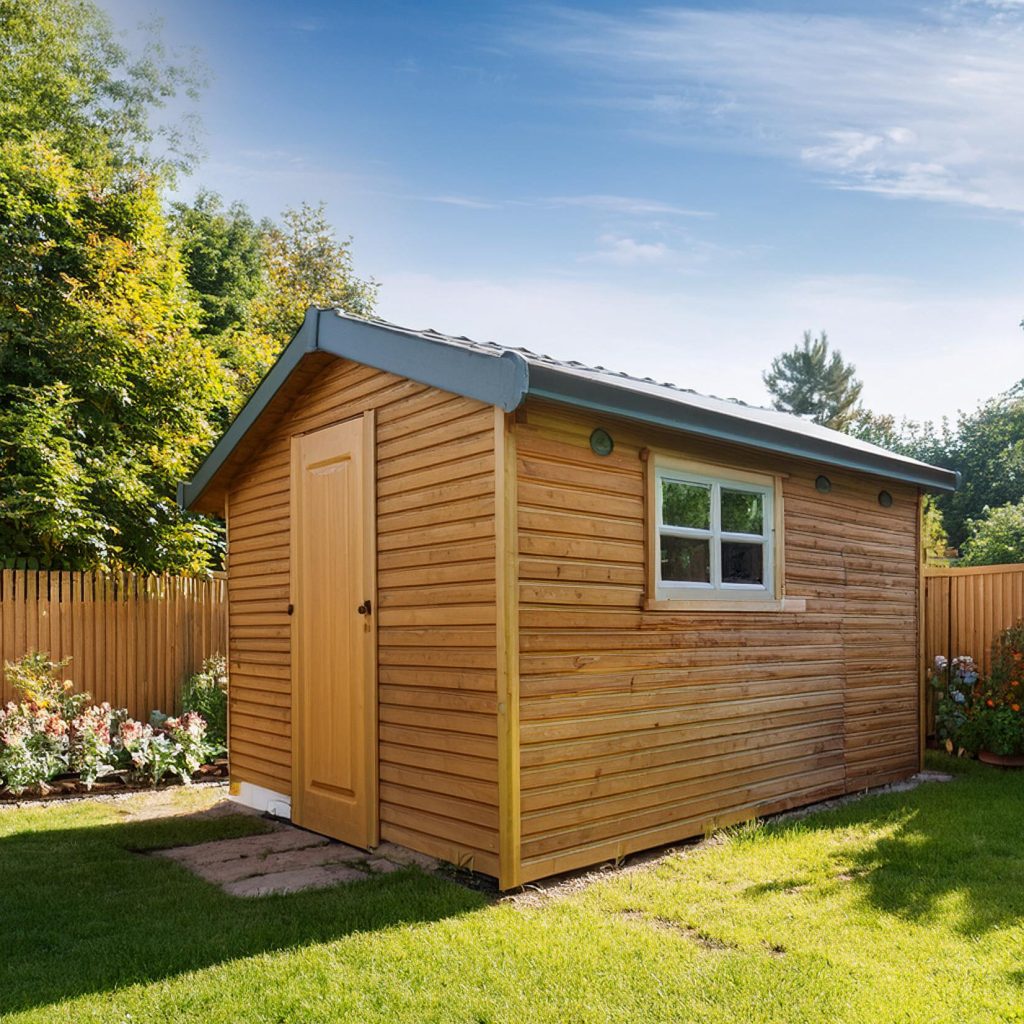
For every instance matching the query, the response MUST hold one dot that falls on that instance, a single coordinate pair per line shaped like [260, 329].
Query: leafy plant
[999, 730]
[33, 746]
[974, 714]
[91, 750]
[52, 730]
[35, 677]
[957, 684]
[206, 692]
[997, 538]
[194, 750]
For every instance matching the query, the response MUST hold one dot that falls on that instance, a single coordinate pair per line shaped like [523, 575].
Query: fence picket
[131, 638]
[966, 608]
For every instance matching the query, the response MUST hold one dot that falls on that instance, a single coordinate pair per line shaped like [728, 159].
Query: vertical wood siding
[132, 640]
[966, 609]
[643, 727]
[436, 608]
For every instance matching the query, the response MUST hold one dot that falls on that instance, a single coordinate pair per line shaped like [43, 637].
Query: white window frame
[716, 590]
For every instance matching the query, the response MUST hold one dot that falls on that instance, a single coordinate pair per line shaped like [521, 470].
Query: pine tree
[815, 382]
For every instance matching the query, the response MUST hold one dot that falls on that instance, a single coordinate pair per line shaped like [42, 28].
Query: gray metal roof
[504, 376]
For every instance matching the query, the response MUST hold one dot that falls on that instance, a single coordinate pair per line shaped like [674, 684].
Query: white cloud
[920, 354]
[930, 108]
[633, 206]
[628, 205]
[628, 252]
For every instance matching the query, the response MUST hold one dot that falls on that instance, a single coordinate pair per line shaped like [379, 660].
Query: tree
[997, 538]
[106, 388]
[254, 282]
[934, 538]
[222, 248]
[304, 264]
[812, 381]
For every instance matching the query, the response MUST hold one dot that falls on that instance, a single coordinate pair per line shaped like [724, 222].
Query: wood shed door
[333, 633]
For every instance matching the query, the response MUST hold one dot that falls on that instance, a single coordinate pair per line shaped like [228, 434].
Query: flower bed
[53, 739]
[983, 717]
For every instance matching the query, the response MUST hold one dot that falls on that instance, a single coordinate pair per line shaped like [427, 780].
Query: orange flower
[1015, 707]
[990, 703]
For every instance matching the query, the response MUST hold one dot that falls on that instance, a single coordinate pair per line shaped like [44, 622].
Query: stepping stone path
[289, 860]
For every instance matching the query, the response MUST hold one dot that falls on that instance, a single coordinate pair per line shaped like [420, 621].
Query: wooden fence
[966, 608]
[132, 639]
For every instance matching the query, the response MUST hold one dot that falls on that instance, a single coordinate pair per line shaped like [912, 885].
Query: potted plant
[998, 724]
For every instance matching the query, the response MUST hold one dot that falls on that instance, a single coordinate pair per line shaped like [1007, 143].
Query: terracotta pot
[1002, 760]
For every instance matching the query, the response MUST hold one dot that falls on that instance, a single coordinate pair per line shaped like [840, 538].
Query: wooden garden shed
[527, 615]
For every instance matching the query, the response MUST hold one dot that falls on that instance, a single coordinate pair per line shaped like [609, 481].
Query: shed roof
[504, 376]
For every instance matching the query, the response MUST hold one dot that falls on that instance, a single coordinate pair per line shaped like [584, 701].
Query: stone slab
[294, 881]
[235, 868]
[247, 846]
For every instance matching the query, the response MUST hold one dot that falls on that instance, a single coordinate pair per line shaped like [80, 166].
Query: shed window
[714, 536]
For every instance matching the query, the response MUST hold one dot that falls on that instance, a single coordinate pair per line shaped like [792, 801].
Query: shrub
[189, 733]
[52, 730]
[35, 677]
[33, 746]
[975, 714]
[958, 686]
[91, 749]
[207, 693]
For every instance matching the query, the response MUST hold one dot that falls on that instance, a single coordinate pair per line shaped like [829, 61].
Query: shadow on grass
[83, 912]
[955, 849]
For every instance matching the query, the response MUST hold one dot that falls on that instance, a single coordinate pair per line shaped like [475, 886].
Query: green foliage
[813, 381]
[958, 688]
[107, 395]
[66, 80]
[127, 338]
[998, 730]
[933, 532]
[51, 730]
[974, 714]
[996, 538]
[304, 264]
[986, 446]
[206, 692]
[45, 508]
[222, 250]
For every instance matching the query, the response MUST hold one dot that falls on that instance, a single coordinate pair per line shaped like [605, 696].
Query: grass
[901, 907]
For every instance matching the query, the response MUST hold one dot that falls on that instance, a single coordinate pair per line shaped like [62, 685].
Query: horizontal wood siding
[435, 608]
[644, 727]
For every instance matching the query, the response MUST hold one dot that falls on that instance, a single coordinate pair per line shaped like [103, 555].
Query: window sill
[785, 604]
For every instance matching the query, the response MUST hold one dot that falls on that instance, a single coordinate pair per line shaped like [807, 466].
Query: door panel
[334, 711]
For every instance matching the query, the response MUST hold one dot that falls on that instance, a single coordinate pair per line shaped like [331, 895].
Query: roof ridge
[433, 333]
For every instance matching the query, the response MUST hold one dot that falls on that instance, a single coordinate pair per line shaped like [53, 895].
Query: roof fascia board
[499, 379]
[549, 382]
[303, 342]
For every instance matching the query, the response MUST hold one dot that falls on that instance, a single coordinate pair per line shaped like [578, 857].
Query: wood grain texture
[132, 640]
[436, 597]
[965, 609]
[644, 726]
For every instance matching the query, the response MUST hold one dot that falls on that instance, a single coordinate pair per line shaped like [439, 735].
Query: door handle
[365, 608]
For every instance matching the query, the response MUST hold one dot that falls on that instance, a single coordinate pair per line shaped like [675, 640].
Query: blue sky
[677, 191]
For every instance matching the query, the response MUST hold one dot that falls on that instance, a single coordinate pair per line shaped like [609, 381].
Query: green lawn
[904, 907]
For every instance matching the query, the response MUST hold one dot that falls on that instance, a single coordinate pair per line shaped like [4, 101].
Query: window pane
[686, 505]
[742, 563]
[685, 560]
[742, 512]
